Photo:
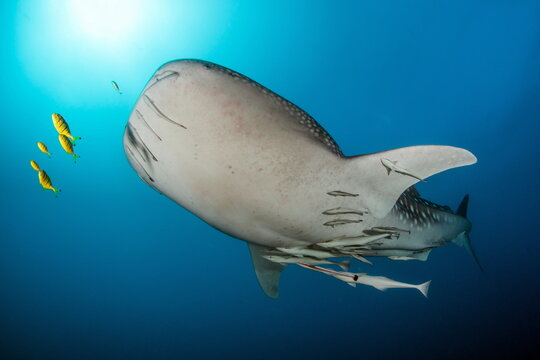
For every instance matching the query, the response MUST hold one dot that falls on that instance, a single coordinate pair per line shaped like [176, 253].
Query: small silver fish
[392, 166]
[115, 86]
[301, 251]
[351, 241]
[306, 260]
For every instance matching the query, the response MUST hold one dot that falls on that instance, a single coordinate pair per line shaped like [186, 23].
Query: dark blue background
[112, 270]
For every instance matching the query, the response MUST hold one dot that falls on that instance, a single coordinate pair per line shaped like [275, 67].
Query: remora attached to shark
[257, 167]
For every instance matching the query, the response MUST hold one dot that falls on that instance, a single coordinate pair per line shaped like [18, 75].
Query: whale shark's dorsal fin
[268, 272]
[380, 178]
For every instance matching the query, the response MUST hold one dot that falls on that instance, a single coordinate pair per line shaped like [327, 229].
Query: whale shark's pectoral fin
[268, 272]
[379, 187]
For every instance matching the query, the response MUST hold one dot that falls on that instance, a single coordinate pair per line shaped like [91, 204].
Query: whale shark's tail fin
[424, 288]
[463, 206]
[464, 238]
[268, 272]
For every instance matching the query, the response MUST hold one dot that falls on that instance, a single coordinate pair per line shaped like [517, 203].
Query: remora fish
[306, 260]
[392, 166]
[360, 240]
[378, 282]
[258, 168]
[301, 251]
[382, 283]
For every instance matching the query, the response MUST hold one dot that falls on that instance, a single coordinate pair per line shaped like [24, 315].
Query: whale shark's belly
[238, 159]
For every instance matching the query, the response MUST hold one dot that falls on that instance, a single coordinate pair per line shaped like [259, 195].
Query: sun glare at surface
[67, 46]
[110, 21]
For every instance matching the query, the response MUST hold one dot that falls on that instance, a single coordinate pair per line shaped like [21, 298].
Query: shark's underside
[258, 168]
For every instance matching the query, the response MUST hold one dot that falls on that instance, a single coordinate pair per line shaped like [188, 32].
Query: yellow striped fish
[45, 182]
[115, 86]
[67, 146]
[62, 127]
[43, 148]
[34, 165]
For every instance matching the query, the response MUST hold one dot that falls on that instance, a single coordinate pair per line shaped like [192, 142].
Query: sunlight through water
[108, 21]
[59, 41]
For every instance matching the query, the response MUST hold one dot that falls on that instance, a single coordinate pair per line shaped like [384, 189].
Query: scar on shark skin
[340, 193]
[391, 166]
[141, 117]
[142, 142]
[140, 165]
[342, 211]
[153, 106]
[336, 222]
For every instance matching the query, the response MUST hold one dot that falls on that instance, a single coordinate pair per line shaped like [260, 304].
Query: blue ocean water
[112, 270]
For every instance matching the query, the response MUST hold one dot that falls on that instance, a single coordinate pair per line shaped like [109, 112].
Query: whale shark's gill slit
[137, 142]
[340, 193]
[139, 163]
[153, 106]
[133, 142]
[343, 211]
[337, 222]
[141, 117]
[147, 150]
[167, 74]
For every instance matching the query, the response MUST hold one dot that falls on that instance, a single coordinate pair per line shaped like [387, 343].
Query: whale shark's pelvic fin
[268, 272]
[380, 178]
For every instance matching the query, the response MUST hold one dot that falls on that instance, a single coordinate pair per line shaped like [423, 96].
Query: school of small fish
[67, 142]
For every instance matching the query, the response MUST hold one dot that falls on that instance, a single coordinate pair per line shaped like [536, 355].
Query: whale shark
[258, 168]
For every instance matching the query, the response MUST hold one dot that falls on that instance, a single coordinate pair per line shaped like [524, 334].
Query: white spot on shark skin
[304, 160]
